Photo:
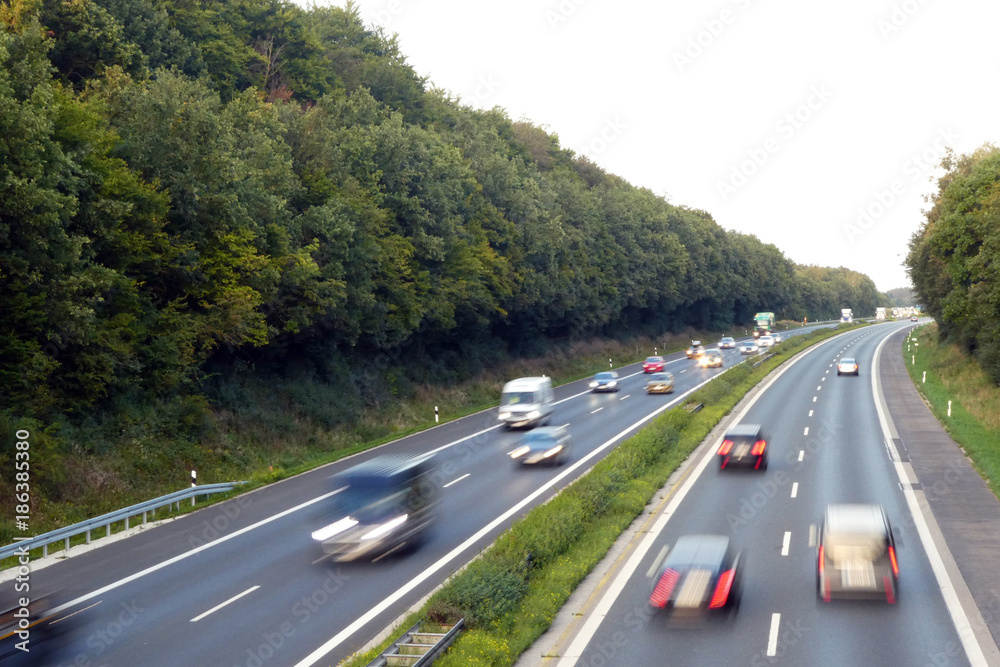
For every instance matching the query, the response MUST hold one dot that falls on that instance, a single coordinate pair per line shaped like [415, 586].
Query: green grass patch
[975, 402]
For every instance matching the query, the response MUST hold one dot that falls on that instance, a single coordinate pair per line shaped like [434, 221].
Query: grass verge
[510, 595]
[975, 402]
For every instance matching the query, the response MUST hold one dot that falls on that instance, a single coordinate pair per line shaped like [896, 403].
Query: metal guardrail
[417, 648]
[105, 520]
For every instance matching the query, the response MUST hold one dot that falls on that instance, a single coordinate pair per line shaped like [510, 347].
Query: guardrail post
[108, 527]
[45, 550]
[144, 518]
[126, 523]
[88, 537]
[66, 545]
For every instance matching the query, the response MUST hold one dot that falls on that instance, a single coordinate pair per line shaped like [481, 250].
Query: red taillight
[758, 447]
[661, 593]
[892, 559]
[890, 594]
[726, 446]
[824, 582]
[722, 589]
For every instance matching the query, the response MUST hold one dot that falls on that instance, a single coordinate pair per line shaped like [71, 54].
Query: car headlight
[593, 384]
[334, 528]
[504, 414]
[612, 383]
[552, 452]
[519, 452]
[534, 414]
[384, 529]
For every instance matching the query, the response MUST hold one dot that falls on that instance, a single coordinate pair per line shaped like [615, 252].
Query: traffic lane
[225, 553]
[769, 545]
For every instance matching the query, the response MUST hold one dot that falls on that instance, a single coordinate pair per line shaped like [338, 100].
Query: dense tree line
[186, 185]
[954, 256]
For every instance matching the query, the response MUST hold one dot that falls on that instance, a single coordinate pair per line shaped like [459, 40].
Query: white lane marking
[823, 379]
[656, 563]
[456, 481]
[220, 606]
[819, 387]
[684, 371]
[597, 615]
[446, 560]
[806, 431]
[624, 397]
[973, 651]
[596, 411]
[810, 413]
[795, 489]
[785, 542]
[814, 398]
[772, 637]
[196, 550]
[802, 454]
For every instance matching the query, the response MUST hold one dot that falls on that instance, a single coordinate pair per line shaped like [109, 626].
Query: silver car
[857, 554]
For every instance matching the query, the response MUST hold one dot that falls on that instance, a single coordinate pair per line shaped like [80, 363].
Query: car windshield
[518, 397]
[848, 362]
[659, 377]
[654, 360]
[727, 340]
[537, 439]
[605, 376]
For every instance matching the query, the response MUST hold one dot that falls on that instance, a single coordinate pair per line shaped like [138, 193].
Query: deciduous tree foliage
[188, 186]
[954, 257]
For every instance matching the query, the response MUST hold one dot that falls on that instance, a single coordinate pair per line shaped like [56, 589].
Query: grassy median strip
[975, 402]
[510, 595]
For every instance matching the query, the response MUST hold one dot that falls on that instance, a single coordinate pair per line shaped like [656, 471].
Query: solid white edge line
[192, 552]
[596, 616]
[220, 606]
[772, 636]
[785, 542]
[365, 618]
[973, 651]
[456, 481]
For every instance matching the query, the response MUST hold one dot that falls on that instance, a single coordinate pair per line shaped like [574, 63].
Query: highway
[828, 446]
[237, 583]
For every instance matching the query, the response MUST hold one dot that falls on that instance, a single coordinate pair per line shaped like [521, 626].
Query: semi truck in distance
[763, 324]
[846, 315]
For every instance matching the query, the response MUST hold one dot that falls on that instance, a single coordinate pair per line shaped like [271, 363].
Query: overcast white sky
[782, 118]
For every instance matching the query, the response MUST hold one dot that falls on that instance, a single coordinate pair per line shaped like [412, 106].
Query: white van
[526, 402]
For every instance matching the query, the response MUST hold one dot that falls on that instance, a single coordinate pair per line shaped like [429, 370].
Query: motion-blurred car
[660, 383]
[696, 350]
[727, 343]
[653, 365]
[32, 625]
[549, 444]
[744, 445]
[605, 381]
[767, 340]
[749, 347]
[913, 319]
[385, 504]
[856, 557]
[847, 366]
[776, 337]
[700, 575]
[711, 359]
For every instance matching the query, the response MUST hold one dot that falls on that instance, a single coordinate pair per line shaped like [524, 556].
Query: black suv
[744, 445]
[386, 504]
